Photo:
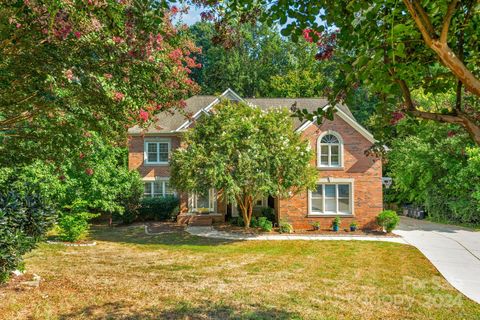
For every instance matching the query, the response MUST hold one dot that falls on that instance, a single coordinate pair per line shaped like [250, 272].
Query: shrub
[285, 227]
[316, 225]
[268, 213]
[162, 208]
[388, 219]
[24, 219]
[265, 224]
[254, 223]
[238, 221]
[336, 222]
[73, 223]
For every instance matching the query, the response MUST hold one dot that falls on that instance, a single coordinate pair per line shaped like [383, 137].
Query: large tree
[70, 68]
[395, 47]
[246, 153]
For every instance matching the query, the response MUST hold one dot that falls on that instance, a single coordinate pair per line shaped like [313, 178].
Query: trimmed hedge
[159, 209]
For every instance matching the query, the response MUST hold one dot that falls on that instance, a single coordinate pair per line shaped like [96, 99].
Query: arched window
[330, 150]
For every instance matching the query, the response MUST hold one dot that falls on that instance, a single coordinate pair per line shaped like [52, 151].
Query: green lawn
[130, 275]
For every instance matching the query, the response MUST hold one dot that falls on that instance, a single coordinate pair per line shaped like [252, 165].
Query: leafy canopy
[392, 46]
[245, 152]
[70, 68]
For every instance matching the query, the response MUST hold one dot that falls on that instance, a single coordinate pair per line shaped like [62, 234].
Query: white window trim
[193, 197]
[340, 151]
[156, 140]
[333, 181]
[154, 179]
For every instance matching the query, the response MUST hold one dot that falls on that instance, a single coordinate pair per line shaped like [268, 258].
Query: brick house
[349, 181]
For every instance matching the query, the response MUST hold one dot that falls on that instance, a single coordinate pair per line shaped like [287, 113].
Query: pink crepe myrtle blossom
[118, 96]
[117, 40]
[108, 76]
[143, 115]
[77, 34]
[89, 171]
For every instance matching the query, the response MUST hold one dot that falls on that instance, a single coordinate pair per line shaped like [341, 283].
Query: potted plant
[316, 225]
[336, 224]
[353, 226]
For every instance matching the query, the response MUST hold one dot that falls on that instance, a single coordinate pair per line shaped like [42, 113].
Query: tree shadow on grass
[118, 310]
[135, 234]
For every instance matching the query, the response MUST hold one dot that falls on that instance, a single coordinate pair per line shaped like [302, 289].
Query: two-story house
[349, 181]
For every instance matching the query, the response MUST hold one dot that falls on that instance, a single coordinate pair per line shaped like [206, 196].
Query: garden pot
[335, 228]
[352, 228]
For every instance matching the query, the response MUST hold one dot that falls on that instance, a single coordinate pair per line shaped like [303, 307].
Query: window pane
[147, 190]
[344, 205]
[163, 156]
[158, 189]
[202, 200]
[318, 192]
[330, 190]
[163, 147]
[324, 160]
[334, 150]
[317, 205]
[152, 147]
[329, 138]
[331, 205]
[324, 150]
[334, 161]
[152, 157]
[344, 190]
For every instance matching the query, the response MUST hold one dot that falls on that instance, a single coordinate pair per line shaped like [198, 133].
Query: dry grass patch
[130, 275]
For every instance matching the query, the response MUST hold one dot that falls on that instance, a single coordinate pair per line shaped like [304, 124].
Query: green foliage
[265, 224]
[336, 222]
[388, 219]
[354, 224]
[246, 152]
[254, 223]
[69, 68]
[269, 213]
[73, 221]
[25, 217]
[238, 221]
[159, 209]
[436, 166]
[316, 225]
[285, 227]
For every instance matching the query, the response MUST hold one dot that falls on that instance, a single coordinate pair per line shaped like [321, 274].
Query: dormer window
[330, 151]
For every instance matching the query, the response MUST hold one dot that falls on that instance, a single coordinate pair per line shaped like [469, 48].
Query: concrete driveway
[454, 251]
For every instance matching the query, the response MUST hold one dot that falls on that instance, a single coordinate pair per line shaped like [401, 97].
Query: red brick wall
[366, 172]
[135, 157]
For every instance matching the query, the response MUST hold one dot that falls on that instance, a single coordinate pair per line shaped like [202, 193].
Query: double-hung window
[330, 150]
[157, 188]
[331, 198]
[157, 152]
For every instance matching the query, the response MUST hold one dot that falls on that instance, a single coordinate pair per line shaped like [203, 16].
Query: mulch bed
[164, 227]
[19, 283]
[323, 232]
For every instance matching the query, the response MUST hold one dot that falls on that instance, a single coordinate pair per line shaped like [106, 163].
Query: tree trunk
[246, 206]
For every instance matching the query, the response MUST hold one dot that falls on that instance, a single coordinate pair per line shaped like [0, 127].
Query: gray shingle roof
[168, 122]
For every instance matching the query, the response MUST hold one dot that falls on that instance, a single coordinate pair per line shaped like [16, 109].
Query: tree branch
[446, 21]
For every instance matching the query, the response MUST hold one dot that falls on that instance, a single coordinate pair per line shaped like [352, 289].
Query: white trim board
[354, 124]
[228, 94]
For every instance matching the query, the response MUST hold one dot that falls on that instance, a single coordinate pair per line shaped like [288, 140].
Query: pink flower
[78, 34]
[174, 10]
[89, 171]
[18, 25]
[69, 74]
[82, 155]
[108, 75]
[143, 115]
[175, 54]
[117, 40]
[118, 96]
